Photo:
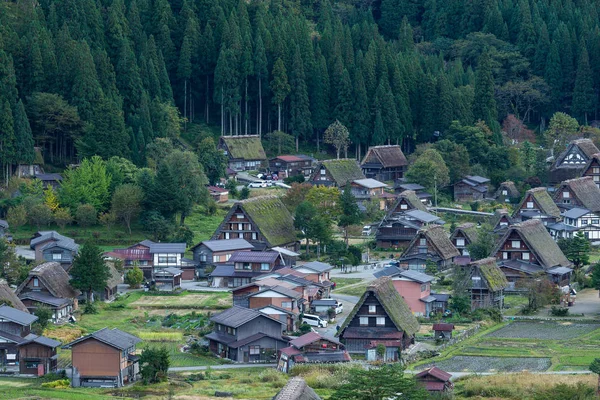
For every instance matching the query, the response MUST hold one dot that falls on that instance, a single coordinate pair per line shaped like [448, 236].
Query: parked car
[255, 185]
[367, 230]
[314, 320]
[339, 308]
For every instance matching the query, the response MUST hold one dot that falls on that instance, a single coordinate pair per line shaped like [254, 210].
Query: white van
[314, 320]
[339, 308]
[366, 230]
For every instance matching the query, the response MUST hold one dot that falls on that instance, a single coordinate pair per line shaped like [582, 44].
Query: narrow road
[223, 366]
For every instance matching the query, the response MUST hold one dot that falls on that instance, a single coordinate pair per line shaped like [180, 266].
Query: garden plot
[491, 364]
[217, 300]
[544, 330]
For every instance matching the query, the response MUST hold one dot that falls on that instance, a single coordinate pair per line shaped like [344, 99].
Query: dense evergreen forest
[108, 77]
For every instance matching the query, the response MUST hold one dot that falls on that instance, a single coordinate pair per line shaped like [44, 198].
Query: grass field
[201, 301]
[343, 282]
[355, 289]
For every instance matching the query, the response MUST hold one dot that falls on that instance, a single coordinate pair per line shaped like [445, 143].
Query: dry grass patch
[218, 300]
[64, 334]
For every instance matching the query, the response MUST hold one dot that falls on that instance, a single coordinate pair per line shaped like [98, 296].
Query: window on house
[380, 321]
[240, 227]
[372, 309]
[404, 206]
[203, 257]
[505, 193]
[56, 256]
[516, 244]
[247, 266]
[529, 204]
[566, 201]
[596, 170]
[254, 350]
[595, 222]
[423, 250]
[504, 255]
[526, 256]
[36, 282]
[460, 242]
[286, 304]
[566, 195]
[584, 222]
[322, 171]
[265, 267]
[423, 287]
[226, 235]
[422, 242]
[239, 216]
[144, 262]
[248, 227]
[364, 321]
[254, 236]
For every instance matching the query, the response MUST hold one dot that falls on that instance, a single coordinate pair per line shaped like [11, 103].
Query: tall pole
[435, 192]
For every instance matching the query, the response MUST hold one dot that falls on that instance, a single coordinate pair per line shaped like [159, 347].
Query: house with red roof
[286, 166]
[311, 348]
[220, 195]
[435, 380]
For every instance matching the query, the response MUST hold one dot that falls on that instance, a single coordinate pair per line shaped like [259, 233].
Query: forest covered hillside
[107, 77]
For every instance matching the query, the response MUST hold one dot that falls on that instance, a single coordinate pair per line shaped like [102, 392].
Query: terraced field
[546, 330]
[493, 364]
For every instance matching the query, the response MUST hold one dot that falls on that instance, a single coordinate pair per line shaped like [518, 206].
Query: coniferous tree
[361, 119]
[7, 138]
[583, 93]
[484, 103]
[344, 100]
[553, 76]
[89, 273]
[106, 134]
[261, 72]
[279, 87]
[24, 153]
[86, 92]
[300, 119]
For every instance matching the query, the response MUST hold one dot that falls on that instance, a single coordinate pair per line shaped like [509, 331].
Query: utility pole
[435, 193]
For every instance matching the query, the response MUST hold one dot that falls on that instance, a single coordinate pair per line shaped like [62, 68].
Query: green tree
[595, 368]
[154, 364]
[584, 97]
[87, 184]
[429, 170]
[134, 277]
[280, 87]
[212, 160]
[13, 270]
[337, 135]
[86, 215]
[561, 129]
[126, 203]
[39, 215]
[16, 216]
[385, 382]
[596, 277]
[62, 217]
[7, 138]
[44, 315]
[300, 119]
[24, 152]
[483, 246]
[89, 272]
[244, 193]
[350, 213]
[106, 134]
[484, 103]
[577, 250]
[304, 215]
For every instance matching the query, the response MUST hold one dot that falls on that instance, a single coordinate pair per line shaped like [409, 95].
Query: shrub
[39, 215]
[304, 328]
[90, 308]
[134, 277]
[154, 364]
[85, 215]
[62, 217]
[559, 311]
[44, 315]
[59, 384]
[244, 193]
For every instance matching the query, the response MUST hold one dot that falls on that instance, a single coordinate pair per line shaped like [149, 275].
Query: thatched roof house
[381, 316]
[506, 191]
[265, 219]
[578, 192]
[407, 200]
[296, 389]
[336, 172]
[537, 201]
[485, 282]
[430, 244]
[8, 297]
[384, 163]
[571, 162]
[243, 152]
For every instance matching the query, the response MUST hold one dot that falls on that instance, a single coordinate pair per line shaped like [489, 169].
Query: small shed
[220, 195]
[168, 278]
[323, 305]
[443, 331]
[435, 380]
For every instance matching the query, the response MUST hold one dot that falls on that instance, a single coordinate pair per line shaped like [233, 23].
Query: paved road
[224, 366]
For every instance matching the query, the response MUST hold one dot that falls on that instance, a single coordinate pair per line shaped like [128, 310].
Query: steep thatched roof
[115, 277]
[410, 196]
[438, 238]
[468, 229]
[296, 389]
[244, 147]
[342, 171]
[270, 216]
[492, 275]
[388, 156]
[393, 304]
[584, 189]
[54, 278]
[497, 217]
[8, 297]
[510, 187]
[543, 200]
[534, 234]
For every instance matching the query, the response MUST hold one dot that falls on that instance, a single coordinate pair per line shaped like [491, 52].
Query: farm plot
[492, 364]
[543, 330]
[201, 301]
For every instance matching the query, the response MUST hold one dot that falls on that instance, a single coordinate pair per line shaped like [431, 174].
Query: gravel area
[491, 364]
[544, 330]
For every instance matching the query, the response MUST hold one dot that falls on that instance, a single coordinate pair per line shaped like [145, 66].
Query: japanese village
[300, 199]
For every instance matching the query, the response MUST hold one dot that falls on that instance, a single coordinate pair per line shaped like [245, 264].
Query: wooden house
[112, 284]
[485, 283]
[243, 152]
[243, 266]
[311, 348]
[278, 296]
[168, 278]
[471, 188]
[407, 201]
[592, 168]
[381, 316]
[213, 252]
[507, 192]
[9, 298]
[573, 160]
[443, 331]
[287, 166]
[400, 186]
[105, 358]
[49, 180]
[336, 173]
[464, 235]
[218, 194]
[246, 335]
[501, 220]
[54, 247]
[384, 163]
[240, 294]
[527, 249]
[435, 380]
[296, 389]
[37, 355]
[580, 193]
[315, 271]
[365, 190]
[48, 285]
[263, 221]
[430, 244]
[537, 204]
[414, 287]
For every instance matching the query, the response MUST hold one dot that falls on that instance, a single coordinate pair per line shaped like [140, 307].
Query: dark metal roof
[178, 248]
[324, 302]
[17, 316]
[281, 290]
[576, 212]
[316, 266]
[12, 338]
[229, 271]
[389, 271]
[43, 340]
[411, 186]
[416, 276]
[253, 338]
[442, 297]
[219, 337]
[45, 298]
[113, 337]
[63, 241]
[323, 357]
[422, 216]
[49, 177]
[254, 256]
[428, 299]
[225, 245]
[559, 270]
[168, 271]
[237, 316]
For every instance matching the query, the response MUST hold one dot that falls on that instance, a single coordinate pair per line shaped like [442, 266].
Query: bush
[59, 384]
[294, 179]
[492, 314]
[39, 215]
[154, 363]
[244, 193]
[559, 311]
[134, 277]
[44, 315]
[90, 308]
[304, 328]
[86, 215]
